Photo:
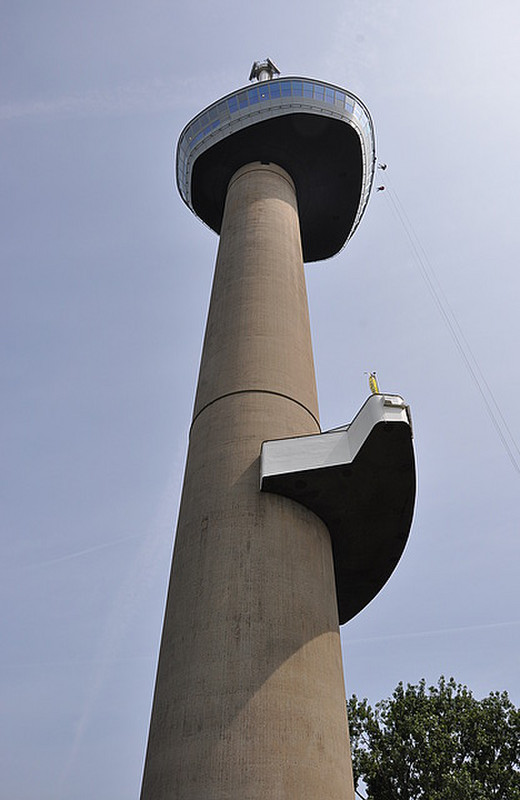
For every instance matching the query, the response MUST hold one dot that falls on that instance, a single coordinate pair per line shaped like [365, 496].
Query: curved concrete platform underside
[367, 505]
[324, 159]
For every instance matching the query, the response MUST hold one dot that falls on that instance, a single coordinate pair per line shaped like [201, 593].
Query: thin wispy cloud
[84, 552]
[148, 97]
[142, 573]
[435, 632]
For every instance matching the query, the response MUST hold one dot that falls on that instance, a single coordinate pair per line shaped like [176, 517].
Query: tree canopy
[436, 743]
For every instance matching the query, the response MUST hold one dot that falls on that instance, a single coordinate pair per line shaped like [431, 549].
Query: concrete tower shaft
[249, 699]
[258, 334]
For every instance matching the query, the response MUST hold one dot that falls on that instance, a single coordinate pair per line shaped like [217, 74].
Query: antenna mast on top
[263, 70]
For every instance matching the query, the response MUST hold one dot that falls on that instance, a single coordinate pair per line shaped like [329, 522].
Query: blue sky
[105, 284]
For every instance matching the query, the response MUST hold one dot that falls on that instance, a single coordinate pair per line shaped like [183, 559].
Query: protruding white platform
[360, 480]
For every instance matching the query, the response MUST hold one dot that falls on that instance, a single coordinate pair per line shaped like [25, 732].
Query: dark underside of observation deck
[321, 154]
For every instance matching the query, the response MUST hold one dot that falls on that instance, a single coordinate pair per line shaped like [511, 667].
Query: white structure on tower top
[263, 70]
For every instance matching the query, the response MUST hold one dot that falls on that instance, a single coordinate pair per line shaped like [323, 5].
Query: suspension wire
[465, 342]
[454, 328]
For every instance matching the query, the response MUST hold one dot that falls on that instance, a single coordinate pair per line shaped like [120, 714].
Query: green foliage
[436, 743]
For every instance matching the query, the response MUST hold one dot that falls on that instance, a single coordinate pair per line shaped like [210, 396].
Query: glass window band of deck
[234, 104]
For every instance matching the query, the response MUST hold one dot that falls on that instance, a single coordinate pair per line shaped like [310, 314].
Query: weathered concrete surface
[249, 701]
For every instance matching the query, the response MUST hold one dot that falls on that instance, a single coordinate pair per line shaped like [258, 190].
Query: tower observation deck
[284, 531]
[320, 134]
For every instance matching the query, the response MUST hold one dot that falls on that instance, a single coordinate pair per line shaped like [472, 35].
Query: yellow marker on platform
[372, 382]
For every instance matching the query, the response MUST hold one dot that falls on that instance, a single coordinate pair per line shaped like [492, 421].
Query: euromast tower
[284, 532]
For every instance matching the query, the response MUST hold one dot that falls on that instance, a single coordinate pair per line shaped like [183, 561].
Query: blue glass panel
[329, 95]
[275, 90]
[340, 98]
[253, 96]
[215, 124]
[233, 104]
[206, 130]
[286, 88]
[297, 88]
[349, 106]
[263, 91]
[319, 91]
[242, 100]
[307, 89]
